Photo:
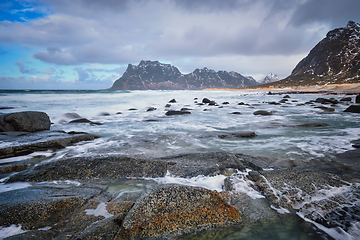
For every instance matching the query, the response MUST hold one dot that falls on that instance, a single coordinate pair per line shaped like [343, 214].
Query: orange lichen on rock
[173, 207]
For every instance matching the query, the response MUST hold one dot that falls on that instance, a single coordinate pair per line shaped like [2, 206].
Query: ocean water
[145, 134]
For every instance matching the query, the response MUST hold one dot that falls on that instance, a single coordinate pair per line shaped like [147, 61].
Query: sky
[88, 44]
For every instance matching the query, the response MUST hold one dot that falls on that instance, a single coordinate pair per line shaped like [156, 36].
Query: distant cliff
[334, 60]
[153, 75]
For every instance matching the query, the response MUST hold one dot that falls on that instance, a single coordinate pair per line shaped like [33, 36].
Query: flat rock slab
[14, 145]
[169, 208]
[38, 207]
[103, 168]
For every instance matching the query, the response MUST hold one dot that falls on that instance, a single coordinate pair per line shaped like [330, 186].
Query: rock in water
[357, 99]
[262, 112]
[29, 121]
[353, 109]
[173, 112]
[172, 208]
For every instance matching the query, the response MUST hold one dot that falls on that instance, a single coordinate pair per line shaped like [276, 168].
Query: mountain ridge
[153, 75]
[334, 60]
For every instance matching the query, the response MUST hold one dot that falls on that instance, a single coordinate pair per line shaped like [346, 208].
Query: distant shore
[346, 88]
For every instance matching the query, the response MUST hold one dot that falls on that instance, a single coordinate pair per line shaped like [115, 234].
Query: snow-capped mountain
[271, 77]
[334, 60]
[153, 75]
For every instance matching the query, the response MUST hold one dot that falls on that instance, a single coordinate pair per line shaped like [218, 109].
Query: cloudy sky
[87, 44]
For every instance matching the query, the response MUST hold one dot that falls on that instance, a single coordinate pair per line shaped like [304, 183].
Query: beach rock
[346, 99]
[85, 120]
[313, 125]
[172, 100]
[41, 141]
[206, 100]
[238, 135]
[326, 101]
[150, 109]
[29, 121]
[174, 112]
[353, 109]
[72, 115]
[357, 99]
[262, 113]
[326, 109]
[171, 209]
[212, 103]
[103, 168]
[356, 143]
[103, 114]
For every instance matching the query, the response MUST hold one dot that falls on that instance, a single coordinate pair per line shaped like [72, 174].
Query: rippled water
[146, 134]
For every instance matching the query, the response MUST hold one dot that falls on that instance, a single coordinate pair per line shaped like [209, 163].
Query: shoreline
[346, 88]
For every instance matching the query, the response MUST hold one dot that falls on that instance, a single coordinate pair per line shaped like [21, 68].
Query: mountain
[271, 77]
[153, 75]
[334, 60]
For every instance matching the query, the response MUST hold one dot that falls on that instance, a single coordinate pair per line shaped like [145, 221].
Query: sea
[134, 123]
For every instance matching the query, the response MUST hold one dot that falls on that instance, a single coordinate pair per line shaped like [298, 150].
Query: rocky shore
[72, 197]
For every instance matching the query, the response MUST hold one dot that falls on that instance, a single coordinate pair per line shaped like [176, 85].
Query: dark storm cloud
[334, 12]
[127, 31]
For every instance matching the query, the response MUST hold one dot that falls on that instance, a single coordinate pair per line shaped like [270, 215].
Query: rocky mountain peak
[155, 75]
[335, 59]
[271, 77]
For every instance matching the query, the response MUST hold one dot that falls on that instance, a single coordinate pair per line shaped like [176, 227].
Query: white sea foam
[243, 185]
[10, 231]
[25, 157]
[214, 183]
[99, 211]
[5, 187]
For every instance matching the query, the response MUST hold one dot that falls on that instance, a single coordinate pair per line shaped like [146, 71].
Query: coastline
[346, 88]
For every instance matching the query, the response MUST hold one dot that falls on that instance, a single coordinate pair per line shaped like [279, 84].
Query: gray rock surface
[29, 121]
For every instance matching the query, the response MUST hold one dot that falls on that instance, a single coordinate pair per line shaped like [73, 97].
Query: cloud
[24, 70]
[125, 31]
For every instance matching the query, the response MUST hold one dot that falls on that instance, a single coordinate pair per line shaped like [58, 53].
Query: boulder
[346, 99]
[326, 101]
[173, 112]
[206, 100]
[238, 135]
[212, 103]
[85, 120]
[72, 115]
[313, 125]
[172, 208]
[150, 109]
[29, 121]
[326, 109]
[353, 109]
[262, 113]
